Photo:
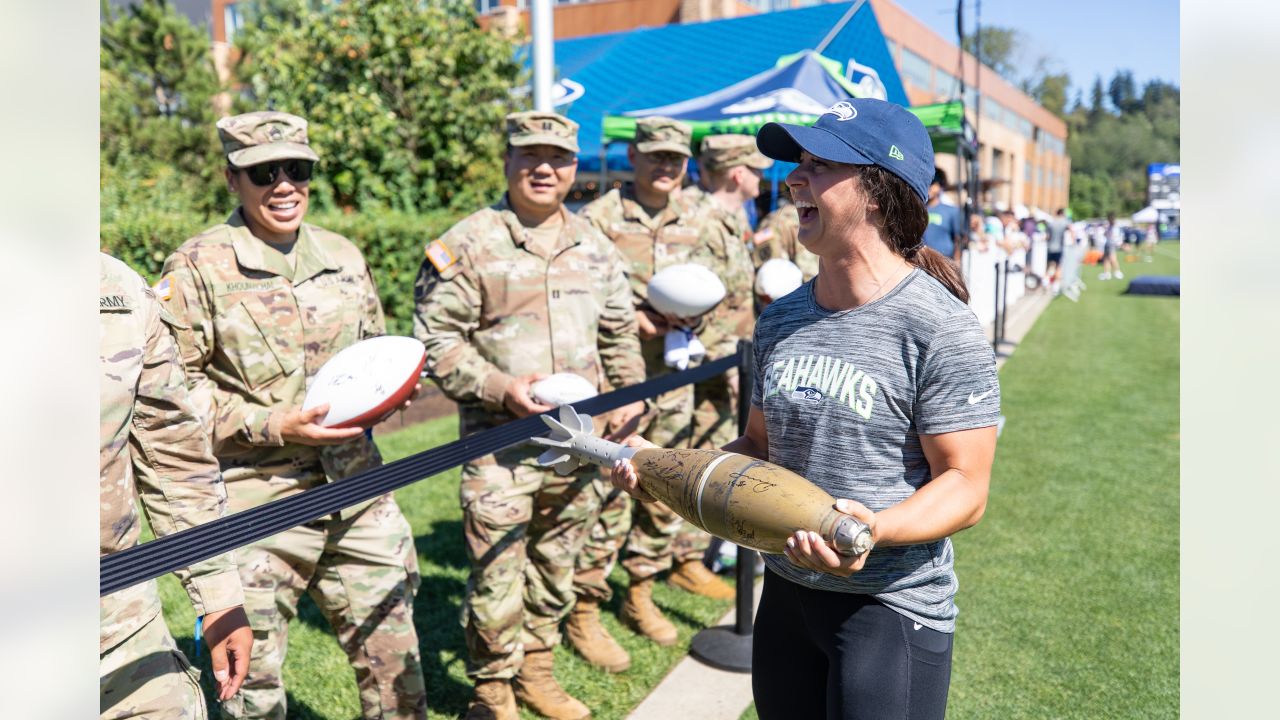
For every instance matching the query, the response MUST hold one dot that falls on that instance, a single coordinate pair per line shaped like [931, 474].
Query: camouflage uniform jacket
[777, 238]
[259, 332]
[649, 244]
[724, 238]
[501, 307]
[153, 449]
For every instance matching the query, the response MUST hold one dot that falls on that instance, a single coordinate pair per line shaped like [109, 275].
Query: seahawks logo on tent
[843, 111]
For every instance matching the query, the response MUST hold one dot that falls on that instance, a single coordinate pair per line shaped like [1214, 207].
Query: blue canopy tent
[797, 89]
[656, 67]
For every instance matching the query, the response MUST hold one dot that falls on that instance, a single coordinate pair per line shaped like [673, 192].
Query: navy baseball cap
[859, 131]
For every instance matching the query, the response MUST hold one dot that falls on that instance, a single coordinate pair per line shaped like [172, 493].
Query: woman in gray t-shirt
[877, 384]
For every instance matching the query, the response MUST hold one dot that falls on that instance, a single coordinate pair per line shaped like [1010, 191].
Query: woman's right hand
[624, 476]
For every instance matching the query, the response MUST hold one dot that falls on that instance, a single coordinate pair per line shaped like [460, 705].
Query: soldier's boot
[592, 641]
[537, 689]
[694, 577]
[493, 700]
[640, 614]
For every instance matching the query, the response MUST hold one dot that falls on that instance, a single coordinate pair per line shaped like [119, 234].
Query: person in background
[978, 239]
[654, 225]
[1113, 237]
[776, 238]
[945, 231]
[1058, 236]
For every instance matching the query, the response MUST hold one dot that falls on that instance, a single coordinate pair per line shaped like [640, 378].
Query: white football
[686, 291]
[367, 381]
[778, 277]
[562, 389]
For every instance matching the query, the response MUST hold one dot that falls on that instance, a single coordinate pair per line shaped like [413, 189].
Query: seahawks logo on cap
[842, 111]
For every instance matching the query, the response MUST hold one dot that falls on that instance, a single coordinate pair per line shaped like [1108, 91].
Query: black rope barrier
[187, 547]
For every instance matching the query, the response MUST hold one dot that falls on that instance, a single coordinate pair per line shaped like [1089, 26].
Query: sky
[1088, 38]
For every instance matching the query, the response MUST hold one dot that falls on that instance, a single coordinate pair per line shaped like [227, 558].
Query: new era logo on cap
[885, 134]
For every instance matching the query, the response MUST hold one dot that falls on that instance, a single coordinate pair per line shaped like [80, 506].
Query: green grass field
[319, 680]
[1069, 585]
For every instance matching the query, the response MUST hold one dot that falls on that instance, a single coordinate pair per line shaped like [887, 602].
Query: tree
[1110, 151]
[1096, 97]
[1047, 87]
[1123, 92]
[405, 100]
[157, 84]
[998, 49]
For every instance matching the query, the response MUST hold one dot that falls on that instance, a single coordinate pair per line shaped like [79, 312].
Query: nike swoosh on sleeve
[975, 399]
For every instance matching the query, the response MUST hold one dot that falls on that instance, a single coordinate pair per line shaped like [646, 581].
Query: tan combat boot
[694, 577]
[641, 615]
[493, 701]
[538, 690]
[592, 641]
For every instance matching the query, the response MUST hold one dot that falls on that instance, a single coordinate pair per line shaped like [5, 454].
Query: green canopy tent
[948, 128]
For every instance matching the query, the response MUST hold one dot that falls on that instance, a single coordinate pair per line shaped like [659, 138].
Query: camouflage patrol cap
[534, 127]
[661, 134]
[721, 152]
[258, 137]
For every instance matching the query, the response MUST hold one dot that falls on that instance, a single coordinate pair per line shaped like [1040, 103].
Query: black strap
[187, 547]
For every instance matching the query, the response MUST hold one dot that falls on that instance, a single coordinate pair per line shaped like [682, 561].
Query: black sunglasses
[265, 174]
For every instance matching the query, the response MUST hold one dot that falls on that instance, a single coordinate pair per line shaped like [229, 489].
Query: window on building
[916, 69]
[992, 110]
[1026, 174]
[947, 85]
[893, 49]
[759, 5]
[231, 20]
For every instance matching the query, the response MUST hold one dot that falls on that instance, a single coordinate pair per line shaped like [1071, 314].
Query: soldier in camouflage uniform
[655, 226]
[268, 300]
[154, 449]
[777, 238]
[733, 168]
[510, 294]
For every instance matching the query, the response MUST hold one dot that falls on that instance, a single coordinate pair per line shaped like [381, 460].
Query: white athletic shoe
[1104, 276]
[1119, 275]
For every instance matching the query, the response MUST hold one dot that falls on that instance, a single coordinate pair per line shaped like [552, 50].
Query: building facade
[1022, 151]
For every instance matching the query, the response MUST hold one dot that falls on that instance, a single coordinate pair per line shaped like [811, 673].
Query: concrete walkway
[695, 690]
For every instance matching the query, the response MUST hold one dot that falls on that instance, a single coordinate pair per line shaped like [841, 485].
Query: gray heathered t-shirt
[845, 396]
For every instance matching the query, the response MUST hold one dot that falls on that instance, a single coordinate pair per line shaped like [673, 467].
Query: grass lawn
[1069, 586]
[319, 680]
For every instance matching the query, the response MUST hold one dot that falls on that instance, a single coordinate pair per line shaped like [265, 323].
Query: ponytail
[905, 218]
[942, 268]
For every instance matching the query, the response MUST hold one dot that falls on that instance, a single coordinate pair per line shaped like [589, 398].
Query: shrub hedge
[392, 243]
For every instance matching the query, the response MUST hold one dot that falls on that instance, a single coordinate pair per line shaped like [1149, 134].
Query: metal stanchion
[1004, 300]
[725, 647]
[995, 319]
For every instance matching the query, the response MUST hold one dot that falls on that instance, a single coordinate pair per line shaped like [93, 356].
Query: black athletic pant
[819, 654]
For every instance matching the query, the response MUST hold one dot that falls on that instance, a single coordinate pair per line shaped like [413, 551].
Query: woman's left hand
[808, 550]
